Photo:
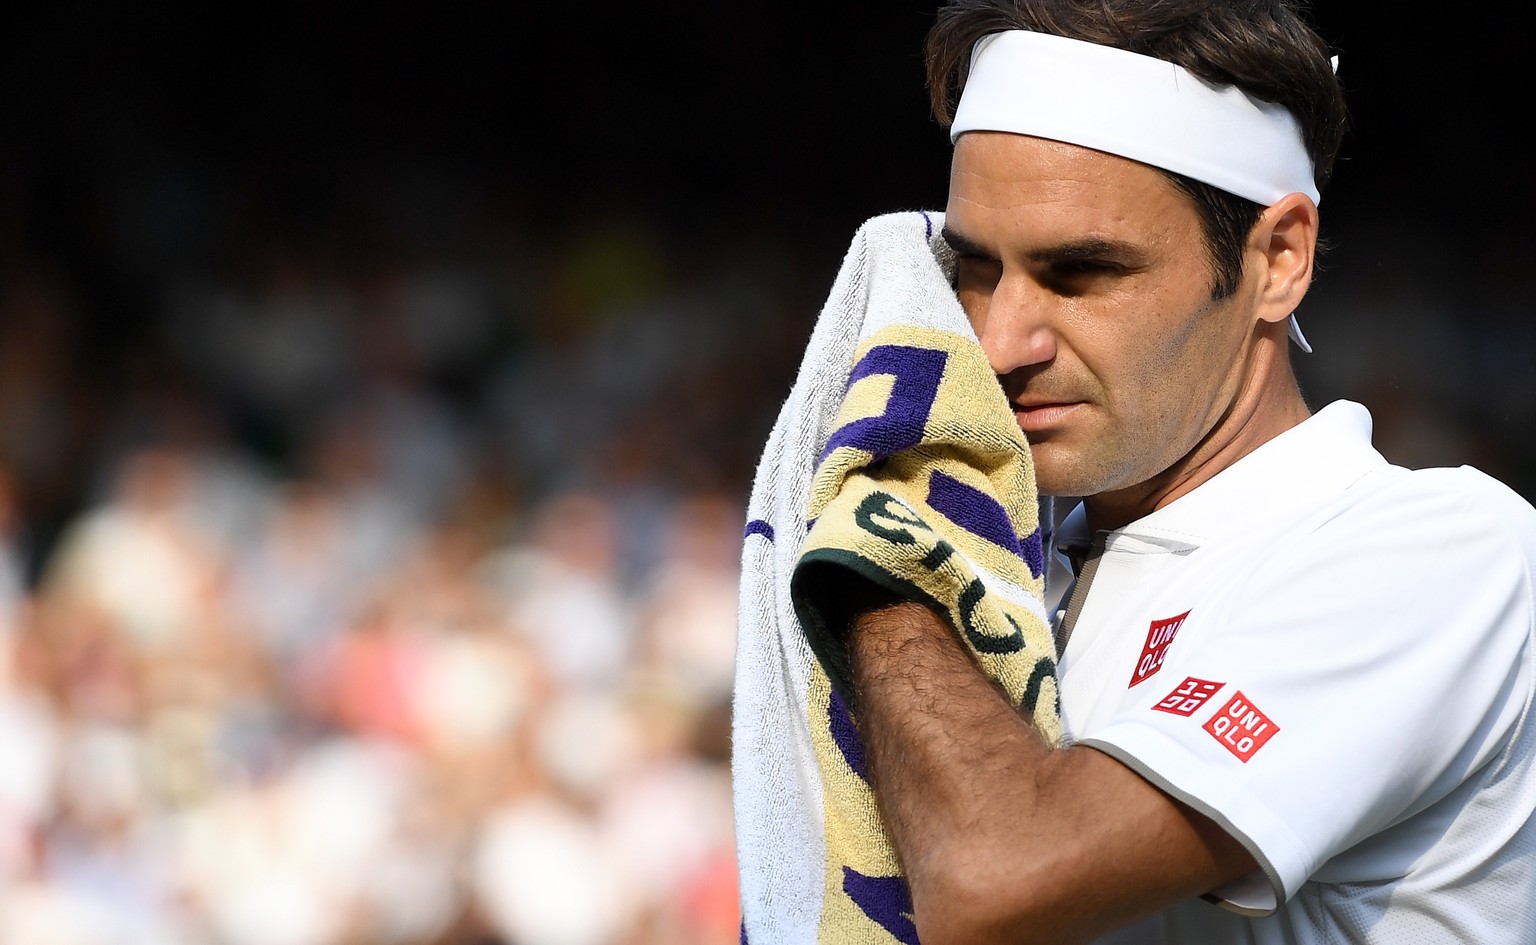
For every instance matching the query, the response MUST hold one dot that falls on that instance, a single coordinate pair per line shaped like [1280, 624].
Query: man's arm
[1002, 838]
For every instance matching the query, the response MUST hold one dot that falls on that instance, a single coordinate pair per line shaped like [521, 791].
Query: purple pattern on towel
[983, 516]
[845, 735]
[1032, 549]
[758, 527]
[918, 372]
[885, 899]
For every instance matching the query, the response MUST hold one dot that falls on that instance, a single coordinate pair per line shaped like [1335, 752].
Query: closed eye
[1073, 276]
[974, 271]
[1086, 267]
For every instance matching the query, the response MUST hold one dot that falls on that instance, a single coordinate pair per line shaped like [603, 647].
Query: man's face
[1088, 281]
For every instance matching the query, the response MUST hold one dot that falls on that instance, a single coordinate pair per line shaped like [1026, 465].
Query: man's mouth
[1035, 415]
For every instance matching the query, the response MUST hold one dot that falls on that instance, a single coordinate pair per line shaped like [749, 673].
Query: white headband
[1137, 107]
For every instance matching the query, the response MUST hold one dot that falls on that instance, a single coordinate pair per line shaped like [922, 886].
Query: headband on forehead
[1137, 107]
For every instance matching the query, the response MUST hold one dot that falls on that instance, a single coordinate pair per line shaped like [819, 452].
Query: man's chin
[1059, 479]
[1059, 490]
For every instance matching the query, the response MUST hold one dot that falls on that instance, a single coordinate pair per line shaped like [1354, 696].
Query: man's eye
[1080, 276]
[1086, 267]
[976, 263]
[972, 269]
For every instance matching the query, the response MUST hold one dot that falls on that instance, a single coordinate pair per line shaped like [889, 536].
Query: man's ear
[1284, 241]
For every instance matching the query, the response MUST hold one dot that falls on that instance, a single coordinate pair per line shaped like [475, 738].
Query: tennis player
[1297, 680]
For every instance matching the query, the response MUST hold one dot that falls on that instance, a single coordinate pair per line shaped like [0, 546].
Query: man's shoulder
[1478, 488]
[1414, 548]
[1328, 465]
[1437, 504]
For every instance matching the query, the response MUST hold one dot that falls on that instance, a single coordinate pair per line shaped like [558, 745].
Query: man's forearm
[1003, 838]
[951, 761]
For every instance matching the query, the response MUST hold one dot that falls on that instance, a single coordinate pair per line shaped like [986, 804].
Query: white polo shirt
[1332, 658]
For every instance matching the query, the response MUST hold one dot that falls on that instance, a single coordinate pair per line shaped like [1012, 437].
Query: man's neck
[1262, 413]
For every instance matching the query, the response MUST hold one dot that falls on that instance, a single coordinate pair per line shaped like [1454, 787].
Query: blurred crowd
[336, 728]
[378, 598]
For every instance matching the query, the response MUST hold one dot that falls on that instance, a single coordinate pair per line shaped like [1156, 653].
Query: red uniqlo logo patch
[1190, 696]
[1159, 639]
[1241, 728]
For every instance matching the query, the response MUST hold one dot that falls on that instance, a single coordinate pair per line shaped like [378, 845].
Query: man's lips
[1037, 416]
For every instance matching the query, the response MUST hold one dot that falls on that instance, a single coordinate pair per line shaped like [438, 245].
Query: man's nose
[1016, 329]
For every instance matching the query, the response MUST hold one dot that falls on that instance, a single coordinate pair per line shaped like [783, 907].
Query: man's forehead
[1003, 181]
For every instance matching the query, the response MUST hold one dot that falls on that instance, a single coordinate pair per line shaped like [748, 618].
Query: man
[1296, 679]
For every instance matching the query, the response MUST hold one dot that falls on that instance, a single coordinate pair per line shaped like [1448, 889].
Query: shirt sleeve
[1358, 670]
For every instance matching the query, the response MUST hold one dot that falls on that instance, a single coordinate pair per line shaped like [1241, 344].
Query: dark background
[145, 145]
[746, 113]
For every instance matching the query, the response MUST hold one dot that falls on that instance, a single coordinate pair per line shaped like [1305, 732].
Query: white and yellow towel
[895, 460]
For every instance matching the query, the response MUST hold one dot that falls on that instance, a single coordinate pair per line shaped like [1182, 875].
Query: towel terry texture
[895, 460]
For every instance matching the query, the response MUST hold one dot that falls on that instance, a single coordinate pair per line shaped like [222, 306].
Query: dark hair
[1264, 47]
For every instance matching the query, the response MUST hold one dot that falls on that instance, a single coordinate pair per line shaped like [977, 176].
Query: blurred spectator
[689, 594]
[140, 561]
[563, 594]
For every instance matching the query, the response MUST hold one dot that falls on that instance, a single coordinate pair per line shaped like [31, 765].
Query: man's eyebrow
[1092, 249]
[964, 245]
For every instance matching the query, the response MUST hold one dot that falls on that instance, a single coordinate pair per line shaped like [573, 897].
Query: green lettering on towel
[941, 553]
[878, 504]
[970, 599]
[1045, 668]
